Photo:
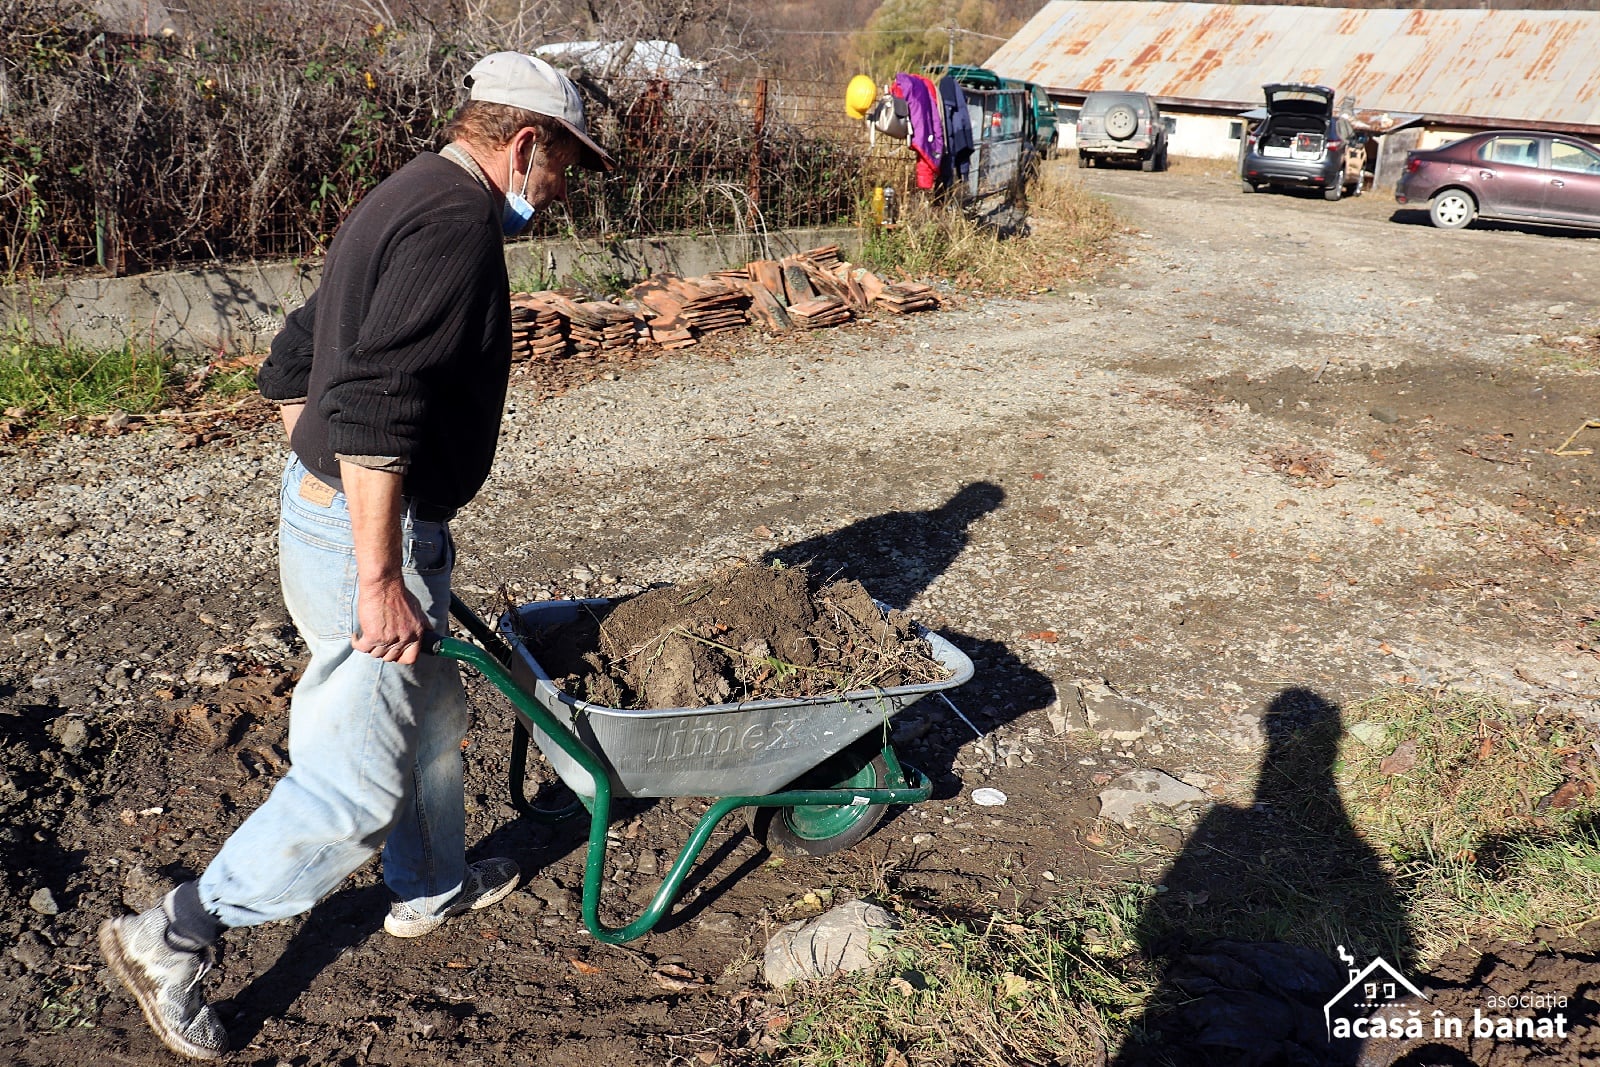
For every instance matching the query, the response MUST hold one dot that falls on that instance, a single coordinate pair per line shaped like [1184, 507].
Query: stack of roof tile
[679, 310]
[826, 257]
[595, 326]
[808, 290]
[548, 325]
[538, 329]
[818, 312]
[903, 297]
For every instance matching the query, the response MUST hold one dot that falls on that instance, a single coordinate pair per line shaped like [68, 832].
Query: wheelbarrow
[813, 775]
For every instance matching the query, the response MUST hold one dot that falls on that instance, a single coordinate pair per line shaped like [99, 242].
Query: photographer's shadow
[895, 556]
[1252, 889]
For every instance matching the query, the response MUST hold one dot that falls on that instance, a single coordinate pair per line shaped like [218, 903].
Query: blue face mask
[518, 212]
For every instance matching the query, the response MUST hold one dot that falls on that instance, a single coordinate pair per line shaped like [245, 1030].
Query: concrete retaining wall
[236, 310]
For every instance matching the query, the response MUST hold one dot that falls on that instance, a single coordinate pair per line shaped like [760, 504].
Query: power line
[853, 33]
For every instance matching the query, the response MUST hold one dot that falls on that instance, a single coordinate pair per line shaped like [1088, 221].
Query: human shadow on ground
[340, 922]
[897, 555]
[1251, 889]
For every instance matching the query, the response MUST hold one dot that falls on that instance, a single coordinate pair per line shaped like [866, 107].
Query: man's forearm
[375, 499]
[391, 623]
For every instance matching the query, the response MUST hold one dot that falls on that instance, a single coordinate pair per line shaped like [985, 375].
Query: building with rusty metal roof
[1438, 73]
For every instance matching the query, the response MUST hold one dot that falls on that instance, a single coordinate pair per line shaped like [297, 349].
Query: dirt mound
[1503, 1005]
[741, 633]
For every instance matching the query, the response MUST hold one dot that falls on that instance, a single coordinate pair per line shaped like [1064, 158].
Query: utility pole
[950, 61]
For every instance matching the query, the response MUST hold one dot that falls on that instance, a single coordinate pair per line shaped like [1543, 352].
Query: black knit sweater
[404, 349]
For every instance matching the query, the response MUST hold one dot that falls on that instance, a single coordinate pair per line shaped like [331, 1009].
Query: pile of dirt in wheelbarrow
[741, 633]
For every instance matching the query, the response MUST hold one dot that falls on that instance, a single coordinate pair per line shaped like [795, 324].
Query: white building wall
[1203, 136]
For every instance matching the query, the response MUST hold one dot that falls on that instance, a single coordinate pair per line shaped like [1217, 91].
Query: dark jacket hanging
[958, 141]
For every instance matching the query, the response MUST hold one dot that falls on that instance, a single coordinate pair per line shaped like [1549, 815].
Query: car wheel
[1122, 122]
[1083, 160]
[1452, 210]
[1148, 163]
[1334, 192]
[1161, 158]
[1250, 187]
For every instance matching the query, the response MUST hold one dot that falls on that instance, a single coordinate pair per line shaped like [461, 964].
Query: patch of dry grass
[1064, 239]
[1576, 352]
[1204, 166]
[1486, 812]
[1058, 986]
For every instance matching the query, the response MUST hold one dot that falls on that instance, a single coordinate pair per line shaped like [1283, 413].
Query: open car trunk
[1294, 98]
[1293, 137]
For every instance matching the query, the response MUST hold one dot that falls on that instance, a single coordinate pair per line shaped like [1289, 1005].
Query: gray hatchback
[1303, 144]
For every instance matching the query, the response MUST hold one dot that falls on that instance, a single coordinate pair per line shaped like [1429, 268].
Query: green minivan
[1046, 139]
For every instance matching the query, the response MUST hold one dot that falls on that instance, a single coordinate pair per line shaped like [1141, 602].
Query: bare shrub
[254, 131]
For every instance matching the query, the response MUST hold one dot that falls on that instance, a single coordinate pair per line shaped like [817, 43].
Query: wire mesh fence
[726, 156]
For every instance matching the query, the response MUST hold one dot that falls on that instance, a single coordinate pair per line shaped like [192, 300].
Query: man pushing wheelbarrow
[391, 380]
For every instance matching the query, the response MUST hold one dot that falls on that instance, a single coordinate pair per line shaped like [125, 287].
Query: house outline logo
[1378, 993]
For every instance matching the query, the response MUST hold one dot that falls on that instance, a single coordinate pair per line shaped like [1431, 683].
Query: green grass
[1056, 986]
[59, 380]
[1577, 352]
[49, 383]
[1348, 839]
[230, 379]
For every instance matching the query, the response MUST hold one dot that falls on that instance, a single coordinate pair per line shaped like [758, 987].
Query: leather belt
[429, 512]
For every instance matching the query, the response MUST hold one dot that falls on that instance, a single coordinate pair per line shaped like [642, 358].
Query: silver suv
[1121, 126]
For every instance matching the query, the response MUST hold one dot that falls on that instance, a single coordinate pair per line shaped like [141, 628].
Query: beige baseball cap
[530, 83]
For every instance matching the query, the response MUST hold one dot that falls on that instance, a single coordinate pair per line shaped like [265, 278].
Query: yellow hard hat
[859, 95]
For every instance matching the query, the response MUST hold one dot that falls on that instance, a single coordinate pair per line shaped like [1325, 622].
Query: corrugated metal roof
[1523, 66]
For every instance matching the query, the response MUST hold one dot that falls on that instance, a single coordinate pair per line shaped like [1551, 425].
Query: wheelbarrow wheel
[818, 830]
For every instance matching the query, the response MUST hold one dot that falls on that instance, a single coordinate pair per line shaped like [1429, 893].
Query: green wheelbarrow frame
[491, 658]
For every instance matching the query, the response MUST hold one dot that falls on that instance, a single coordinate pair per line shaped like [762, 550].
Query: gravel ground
[1283, 444]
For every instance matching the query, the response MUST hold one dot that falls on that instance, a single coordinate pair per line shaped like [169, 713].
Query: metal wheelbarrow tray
[813, 774]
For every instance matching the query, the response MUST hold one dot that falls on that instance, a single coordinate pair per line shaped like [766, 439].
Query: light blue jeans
[374, 747]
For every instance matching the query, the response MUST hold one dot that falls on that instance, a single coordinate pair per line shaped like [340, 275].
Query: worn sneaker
[488, 882]
[166, 983]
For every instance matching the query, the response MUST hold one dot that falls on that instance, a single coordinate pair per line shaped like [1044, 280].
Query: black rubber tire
[1083, 161]
[775, 828]
[1161, 159]
[1249, 187]
[1148, 164]
[1333, 192]
[1121, 122]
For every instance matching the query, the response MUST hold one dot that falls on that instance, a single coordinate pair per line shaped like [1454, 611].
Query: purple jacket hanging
[927, 135]
[958, 140]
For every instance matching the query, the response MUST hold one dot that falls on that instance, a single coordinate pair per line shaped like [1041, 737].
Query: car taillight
[1334, 146]
[1413, 165]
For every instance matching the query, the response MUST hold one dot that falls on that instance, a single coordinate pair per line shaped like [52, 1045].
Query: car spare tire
[1122, 122]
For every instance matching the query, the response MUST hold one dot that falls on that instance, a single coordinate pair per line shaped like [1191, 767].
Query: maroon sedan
[1515, 176]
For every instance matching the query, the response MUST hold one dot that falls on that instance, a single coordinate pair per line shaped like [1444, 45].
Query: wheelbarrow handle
[433, 642]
